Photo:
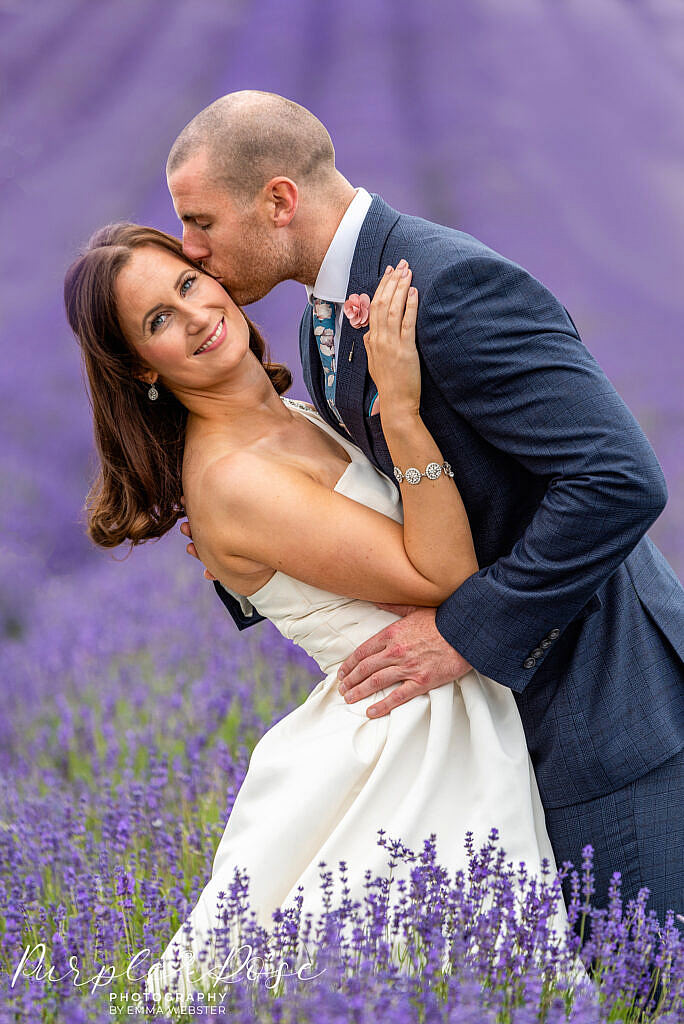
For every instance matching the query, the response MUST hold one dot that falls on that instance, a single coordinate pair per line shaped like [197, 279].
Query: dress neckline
[307, 412]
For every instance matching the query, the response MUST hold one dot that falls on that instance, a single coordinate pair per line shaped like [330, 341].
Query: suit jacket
[574, 608]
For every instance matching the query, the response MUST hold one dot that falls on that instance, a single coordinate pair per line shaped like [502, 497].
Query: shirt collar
[333, 276]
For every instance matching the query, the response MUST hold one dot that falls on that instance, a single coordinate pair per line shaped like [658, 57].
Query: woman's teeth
[212, 339]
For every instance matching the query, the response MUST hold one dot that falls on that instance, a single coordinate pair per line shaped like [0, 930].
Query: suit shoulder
[448, 246]
[444, 258]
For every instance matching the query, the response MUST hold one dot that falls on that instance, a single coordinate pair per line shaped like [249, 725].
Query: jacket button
[537, 653]
[545, 644]
[554, 634]
[529, 663]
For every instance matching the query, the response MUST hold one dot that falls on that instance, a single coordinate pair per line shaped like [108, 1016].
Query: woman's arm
[258, 508]
[437, 536]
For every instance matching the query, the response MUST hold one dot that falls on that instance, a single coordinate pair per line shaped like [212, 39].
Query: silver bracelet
[432, 471]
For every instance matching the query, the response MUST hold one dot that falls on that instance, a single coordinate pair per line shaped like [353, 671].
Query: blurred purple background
[552, 131]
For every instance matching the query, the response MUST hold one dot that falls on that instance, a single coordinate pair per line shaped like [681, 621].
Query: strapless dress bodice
[329, 627]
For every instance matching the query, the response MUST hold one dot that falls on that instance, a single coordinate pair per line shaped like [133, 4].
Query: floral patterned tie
[324, 332]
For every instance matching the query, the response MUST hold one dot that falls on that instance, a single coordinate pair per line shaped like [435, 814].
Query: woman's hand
[391, 342]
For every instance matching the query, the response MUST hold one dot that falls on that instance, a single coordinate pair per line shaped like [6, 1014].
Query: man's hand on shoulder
[411, 652]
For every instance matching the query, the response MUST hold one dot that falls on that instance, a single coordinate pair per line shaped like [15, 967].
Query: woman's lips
[201, 350]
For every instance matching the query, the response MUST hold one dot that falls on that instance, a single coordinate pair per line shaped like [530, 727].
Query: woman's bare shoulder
[231, 476]
[245, 482]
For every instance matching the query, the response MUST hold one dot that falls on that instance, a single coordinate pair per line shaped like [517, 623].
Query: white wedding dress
[325, 778]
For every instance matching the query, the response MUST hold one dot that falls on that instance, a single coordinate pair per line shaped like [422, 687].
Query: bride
[287, 513]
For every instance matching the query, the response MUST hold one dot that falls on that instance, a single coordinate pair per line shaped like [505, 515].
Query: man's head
[253, 180]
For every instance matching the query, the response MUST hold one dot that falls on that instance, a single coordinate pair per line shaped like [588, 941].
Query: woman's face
[182, 323]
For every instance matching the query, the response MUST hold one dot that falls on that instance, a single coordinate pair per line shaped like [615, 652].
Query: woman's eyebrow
[160, 305]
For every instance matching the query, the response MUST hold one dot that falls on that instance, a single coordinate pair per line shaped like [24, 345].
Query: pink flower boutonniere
[357, 310]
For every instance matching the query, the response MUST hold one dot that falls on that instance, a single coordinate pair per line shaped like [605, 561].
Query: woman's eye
[160, 319]
[156, 322]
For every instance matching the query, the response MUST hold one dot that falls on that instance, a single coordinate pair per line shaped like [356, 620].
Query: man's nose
[195, 245]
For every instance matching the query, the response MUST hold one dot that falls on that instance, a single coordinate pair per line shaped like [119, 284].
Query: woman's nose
[201, 320]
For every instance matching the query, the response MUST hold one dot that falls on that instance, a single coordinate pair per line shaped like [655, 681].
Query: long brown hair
[137, 493]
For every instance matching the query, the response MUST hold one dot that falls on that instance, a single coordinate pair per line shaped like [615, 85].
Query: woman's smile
[214, 340]
[171, 312]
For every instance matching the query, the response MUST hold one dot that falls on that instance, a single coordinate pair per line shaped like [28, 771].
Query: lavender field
[553, 131]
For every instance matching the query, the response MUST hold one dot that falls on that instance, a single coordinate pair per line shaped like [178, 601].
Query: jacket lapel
[352, 366]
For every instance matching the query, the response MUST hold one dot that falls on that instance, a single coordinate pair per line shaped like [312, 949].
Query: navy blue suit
[574, 608]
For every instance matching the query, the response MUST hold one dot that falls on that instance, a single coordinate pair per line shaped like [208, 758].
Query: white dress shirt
[333, 277]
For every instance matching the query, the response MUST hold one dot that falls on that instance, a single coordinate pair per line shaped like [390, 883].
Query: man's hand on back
[411, 652]
[192, 550]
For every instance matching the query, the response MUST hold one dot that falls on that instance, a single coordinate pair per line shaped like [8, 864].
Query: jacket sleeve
[239, 608]
[505, 354]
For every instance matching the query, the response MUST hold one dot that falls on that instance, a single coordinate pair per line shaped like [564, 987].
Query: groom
[574, 608]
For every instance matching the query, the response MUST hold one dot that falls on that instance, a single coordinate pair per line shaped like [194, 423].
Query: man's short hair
[250, 137]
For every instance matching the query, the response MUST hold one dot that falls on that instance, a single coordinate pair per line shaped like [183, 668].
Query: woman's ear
[148, 377]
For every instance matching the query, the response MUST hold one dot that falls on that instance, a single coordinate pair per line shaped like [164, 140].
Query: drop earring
[152, 393]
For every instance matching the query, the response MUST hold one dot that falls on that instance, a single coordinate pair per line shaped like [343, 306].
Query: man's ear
[282, 198]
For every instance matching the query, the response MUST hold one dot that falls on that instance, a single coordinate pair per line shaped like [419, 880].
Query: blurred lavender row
[551, 131]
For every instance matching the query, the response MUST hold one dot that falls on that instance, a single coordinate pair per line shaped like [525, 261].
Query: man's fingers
[400, 695]
[192, 550]
[365, 668]
[372, 646]
[372, 682]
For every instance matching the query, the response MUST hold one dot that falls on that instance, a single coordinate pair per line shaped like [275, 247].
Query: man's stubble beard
[260, 275]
